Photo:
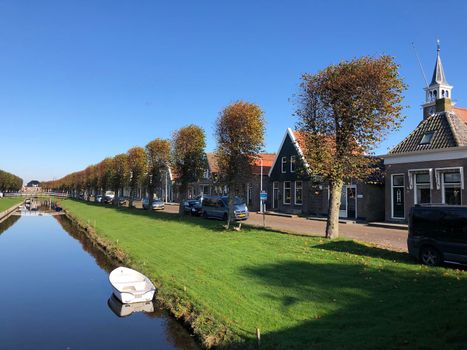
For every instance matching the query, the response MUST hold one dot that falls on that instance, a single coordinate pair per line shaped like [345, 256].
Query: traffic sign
[263, 195]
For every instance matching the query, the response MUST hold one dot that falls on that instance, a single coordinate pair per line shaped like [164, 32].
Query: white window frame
[415, 186]
[292, 162]
[283, 165]
[412, 173]
[443, 187]
[283, 194]
[295, 192]
[439, 171]
[392, 196]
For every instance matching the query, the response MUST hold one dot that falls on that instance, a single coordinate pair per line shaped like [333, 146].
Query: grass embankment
[301, 292]
[8, 202]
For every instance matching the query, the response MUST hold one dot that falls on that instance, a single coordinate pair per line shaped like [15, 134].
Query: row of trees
[10, 182]
[344, 111]
[240, 136]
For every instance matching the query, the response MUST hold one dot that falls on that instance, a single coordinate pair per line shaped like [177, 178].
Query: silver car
[157, 204]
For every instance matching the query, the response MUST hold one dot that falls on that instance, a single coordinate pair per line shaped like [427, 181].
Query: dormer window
[426, 138]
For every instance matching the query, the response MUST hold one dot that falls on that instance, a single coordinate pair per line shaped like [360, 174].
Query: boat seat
[132, 286]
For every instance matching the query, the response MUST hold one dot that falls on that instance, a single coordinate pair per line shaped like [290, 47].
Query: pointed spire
[438, 73]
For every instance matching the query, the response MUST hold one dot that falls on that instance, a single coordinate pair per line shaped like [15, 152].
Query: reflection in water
[5, 225]
[123, 310]
[103, 261]
[65, 305]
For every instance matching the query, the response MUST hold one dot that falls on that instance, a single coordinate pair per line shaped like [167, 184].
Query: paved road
[388, 238]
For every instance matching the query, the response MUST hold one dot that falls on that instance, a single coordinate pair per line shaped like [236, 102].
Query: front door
[348, 208]
[275, 195]
[351, 202]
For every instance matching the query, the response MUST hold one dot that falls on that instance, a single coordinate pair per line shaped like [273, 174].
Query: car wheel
[430, 256]
[205, 215]
[225, 217]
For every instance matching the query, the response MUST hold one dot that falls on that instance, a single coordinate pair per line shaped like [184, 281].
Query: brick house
[428, 165]
[208, 185]
[294, 191]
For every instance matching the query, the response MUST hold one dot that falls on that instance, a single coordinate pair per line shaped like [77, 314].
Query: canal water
[55, 294]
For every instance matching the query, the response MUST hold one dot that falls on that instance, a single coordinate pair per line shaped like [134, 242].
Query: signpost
[263, 196]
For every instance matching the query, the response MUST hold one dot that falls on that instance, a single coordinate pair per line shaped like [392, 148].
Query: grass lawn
[301, 292]
[8, 202]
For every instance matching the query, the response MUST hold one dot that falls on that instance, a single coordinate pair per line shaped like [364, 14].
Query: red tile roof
[268, 160]
[212, 162]
[461, 113]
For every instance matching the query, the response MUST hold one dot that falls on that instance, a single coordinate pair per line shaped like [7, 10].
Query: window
[452, 188]
[283, 164]
[292, 164]
[422, 188]
[298, 192]
[426, 138]
[287, 192]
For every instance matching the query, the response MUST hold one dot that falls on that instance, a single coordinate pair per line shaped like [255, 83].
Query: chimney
[443, 105]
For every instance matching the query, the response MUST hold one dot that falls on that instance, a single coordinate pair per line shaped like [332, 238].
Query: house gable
[289, 147]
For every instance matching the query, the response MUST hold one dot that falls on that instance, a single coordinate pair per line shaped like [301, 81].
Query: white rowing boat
[131, 286]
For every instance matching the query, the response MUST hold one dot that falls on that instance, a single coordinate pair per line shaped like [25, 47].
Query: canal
[55, 294]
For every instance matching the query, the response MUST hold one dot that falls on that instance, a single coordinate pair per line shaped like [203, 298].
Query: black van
[438, 233]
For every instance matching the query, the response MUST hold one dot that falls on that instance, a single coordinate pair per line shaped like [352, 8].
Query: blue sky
[82, 80]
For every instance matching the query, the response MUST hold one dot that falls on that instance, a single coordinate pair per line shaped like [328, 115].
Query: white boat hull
[131, 286]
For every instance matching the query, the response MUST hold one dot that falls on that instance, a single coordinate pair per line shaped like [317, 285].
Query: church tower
[438, 93]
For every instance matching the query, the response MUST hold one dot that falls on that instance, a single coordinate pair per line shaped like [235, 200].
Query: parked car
[193, 207]
[217, 207]
[145, 203]
[438, 233]
[157, 204]
[122, 201]
[99, 199]
[108, 199]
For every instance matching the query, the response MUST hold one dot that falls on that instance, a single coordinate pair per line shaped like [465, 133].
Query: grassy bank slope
[301, 292]
[8, 202]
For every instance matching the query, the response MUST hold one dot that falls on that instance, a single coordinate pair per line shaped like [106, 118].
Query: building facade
[427, 167]
[292, 189]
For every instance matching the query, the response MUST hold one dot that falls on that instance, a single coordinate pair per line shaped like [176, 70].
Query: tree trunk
[183, 190]
[132, 195]
[231, 198]
[116, 197]
[332, 225]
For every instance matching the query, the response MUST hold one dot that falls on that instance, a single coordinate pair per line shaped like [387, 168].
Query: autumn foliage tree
[10, 182]
[120, 173]
[344, 112]
[104, 174]
[240, 139]
[188, 156]
[137, 164]
[158, 158]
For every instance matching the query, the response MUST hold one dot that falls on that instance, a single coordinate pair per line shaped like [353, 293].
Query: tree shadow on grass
[356, 248]
[352, 306]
